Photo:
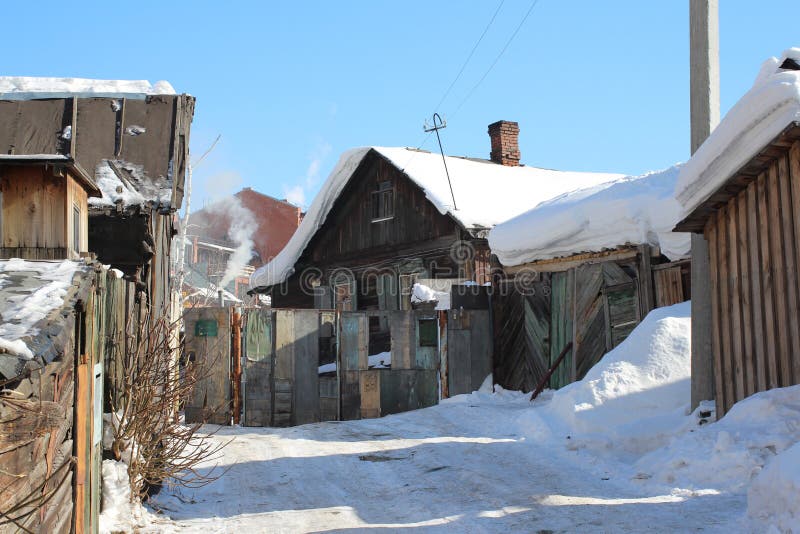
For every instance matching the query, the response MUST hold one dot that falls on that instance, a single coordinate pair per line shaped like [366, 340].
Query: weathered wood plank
[306, 366]
[724, 308]
[737, 354]
[754, 257]
[794, 180]
[745, 295]
[712, 236]
[790, 266]
[669, 286]
[777, 253]
[767, 289]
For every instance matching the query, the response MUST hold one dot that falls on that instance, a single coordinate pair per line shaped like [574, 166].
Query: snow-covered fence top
[486, 194]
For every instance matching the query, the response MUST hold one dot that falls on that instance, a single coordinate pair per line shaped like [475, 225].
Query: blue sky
[290, 85]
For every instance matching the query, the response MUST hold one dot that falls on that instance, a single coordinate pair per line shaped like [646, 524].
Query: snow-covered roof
[632, 210]
[486, 194]
[29, 88]
[127, 184]
[757, 118]
[30, 291]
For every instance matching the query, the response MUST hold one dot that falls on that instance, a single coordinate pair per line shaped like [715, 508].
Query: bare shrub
[148, 434]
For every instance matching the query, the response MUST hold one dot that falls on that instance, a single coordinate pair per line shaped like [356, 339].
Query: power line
[469, 57]
[513, 35]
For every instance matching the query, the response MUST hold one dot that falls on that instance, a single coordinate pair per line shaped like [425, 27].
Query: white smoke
[242, 228]
[298, 193]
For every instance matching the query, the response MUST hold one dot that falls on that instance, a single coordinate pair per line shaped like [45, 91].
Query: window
[76, 228]
[428, 333]
[383, 202]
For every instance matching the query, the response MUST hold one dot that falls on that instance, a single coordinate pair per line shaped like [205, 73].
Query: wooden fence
[283, 349]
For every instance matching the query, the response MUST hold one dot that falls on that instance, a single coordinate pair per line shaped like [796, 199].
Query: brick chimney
[505, 143]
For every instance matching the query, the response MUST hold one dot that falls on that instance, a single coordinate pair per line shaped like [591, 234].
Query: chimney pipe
[505, 143]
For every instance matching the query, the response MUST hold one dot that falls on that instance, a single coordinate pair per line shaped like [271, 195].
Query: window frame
[76, 228]
[382, 202]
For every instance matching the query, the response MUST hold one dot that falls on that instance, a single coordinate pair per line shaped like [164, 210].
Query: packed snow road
[462, 466]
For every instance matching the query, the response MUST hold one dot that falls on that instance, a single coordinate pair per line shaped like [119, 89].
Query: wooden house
[387, 217]
[44, 206]
[129, 138]
[581, 271]
[741, 190]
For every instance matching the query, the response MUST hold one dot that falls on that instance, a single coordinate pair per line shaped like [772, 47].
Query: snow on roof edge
[631, 210]
[33, 88]
[760, 115]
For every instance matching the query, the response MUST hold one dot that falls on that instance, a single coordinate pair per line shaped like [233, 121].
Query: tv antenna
[439, 124]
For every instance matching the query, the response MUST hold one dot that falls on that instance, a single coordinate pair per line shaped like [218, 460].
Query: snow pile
[25, 305]
[26, 88]
[513, 191]
[773, 500]
[726, 455]
[634, 399]
[757, 118]
[121, 182]
[119, 513]
[422, 293]
[634, 210]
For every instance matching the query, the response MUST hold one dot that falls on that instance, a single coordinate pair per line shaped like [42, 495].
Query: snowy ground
[459, 466]
[615, 452]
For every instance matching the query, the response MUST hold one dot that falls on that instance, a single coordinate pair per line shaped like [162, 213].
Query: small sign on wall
[205, 328]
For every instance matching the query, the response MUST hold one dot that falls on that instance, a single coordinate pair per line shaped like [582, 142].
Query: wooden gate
[522, 333]
[296, 375]
[594, 305]
[469, 350]
[208, 351]
[258, 364]
[353, 349]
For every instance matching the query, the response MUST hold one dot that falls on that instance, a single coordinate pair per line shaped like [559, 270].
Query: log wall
[754, 257]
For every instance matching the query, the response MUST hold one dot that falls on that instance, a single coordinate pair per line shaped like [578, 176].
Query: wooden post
[704, 82]
[236, 355]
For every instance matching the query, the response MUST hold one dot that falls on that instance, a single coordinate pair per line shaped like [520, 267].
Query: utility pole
[438, 124]
[704, 84]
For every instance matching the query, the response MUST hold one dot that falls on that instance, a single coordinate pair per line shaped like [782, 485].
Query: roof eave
[695, 222]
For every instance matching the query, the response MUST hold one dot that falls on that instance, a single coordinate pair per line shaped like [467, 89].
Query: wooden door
[258, 357]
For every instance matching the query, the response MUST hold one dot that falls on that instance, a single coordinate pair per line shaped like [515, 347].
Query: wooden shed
[584, 269]
[752, 225]
[44, 201]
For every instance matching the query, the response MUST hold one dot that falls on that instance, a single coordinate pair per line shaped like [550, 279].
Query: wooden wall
[349, 228]
[51, 430]
[754, 258]
[33, 213]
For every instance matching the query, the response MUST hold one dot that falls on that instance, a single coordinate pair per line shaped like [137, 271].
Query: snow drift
[634, 398]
